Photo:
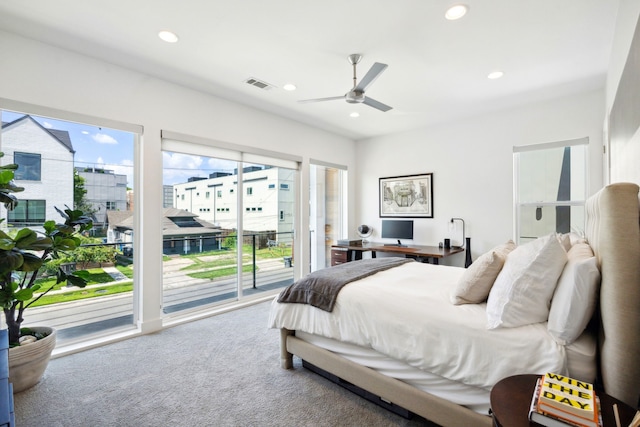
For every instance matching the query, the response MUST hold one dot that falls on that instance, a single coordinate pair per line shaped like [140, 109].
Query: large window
[28, 212]
[28, 166]
[84, 165]
[550, 188]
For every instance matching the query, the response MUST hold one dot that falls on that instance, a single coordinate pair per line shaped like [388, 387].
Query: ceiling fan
[357, 94]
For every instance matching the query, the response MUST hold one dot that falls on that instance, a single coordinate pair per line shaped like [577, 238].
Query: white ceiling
[437, 68]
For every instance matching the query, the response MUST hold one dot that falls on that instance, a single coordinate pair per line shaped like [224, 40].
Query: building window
[28, 211]
[28, 166]
[182, 197]
[284, 186]
[111, 206]
[281, 215]
[550, 187]
[219, 194]
[272, 186]
[249, 191]
[206, 195]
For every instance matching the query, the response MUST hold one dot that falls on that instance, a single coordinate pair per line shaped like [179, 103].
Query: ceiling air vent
[259, 83]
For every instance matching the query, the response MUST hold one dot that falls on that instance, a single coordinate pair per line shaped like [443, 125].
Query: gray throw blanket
[320, 288]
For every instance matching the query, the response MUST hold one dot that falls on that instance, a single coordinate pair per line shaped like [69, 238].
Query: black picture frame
[407, 196]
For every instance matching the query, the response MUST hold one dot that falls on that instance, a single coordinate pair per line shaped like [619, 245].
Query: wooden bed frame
[613, 231]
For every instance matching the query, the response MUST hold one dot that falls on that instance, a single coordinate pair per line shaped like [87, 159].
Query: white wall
[472, 165]
[51, 77]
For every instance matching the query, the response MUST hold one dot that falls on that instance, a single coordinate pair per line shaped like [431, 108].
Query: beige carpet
[221, 371]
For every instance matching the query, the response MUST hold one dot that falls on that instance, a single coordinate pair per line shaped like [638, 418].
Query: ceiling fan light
[456, 12]
[168, 36]
[289, 87]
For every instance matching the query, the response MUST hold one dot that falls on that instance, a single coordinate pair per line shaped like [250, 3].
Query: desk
[511, 398]
[343, 253]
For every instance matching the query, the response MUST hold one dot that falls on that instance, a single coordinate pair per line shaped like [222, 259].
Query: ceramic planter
[27, 363]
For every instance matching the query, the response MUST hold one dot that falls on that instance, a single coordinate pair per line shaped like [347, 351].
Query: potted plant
[22, 256]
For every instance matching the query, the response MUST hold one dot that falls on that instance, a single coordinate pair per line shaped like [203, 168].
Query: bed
[383, 349]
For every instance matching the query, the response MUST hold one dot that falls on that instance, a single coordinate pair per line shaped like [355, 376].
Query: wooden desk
[511, 399]
[342, 253]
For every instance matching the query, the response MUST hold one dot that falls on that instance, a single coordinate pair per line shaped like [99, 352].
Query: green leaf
[76, 281]
[10, 260]
[25, 237]
[7, 243]
[41, 244]
[24, 294]
[31, 262]
[6, 175]
[49, 226]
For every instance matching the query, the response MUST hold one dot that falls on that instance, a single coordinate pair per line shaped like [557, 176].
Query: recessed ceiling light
[289, 87]
[456, 12]
[495, 75]
[355, 114]
[168, 36]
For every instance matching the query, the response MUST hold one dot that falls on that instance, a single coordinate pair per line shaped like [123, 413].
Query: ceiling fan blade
[376, 104]
[332, 98]
[373, 73]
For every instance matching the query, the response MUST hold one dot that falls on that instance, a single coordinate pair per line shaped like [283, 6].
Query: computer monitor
[397, 229]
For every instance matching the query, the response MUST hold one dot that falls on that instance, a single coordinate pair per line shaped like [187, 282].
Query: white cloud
[103, 138]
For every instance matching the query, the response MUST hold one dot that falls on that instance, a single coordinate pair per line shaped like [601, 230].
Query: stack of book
[560, 401]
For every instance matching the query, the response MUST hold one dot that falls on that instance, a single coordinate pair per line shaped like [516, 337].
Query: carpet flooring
[220, 371]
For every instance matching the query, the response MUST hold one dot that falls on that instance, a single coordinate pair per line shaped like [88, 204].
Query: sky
[113, 149]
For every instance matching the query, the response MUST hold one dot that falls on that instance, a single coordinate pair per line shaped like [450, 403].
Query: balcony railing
[204, 274]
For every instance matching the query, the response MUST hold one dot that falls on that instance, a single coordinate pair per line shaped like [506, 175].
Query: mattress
[581, 360]
[402, 321]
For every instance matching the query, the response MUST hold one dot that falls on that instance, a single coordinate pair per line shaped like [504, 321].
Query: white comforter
[405, 313]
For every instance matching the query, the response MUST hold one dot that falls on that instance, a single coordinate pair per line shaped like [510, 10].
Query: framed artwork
[409, 196]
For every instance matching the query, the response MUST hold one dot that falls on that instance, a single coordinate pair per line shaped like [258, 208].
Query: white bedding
[424, 330]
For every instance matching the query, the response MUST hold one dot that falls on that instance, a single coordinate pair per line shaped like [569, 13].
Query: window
[219, 194]
[206, 195]
[284, 186]
[28, 211]
[272, 186]
[28, 166]
[249, 191]
[281, 215]
[182, 197]
[49, 151]
[550, 183]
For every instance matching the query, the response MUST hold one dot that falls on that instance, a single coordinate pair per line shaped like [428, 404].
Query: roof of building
[175, 222]
[61, 135]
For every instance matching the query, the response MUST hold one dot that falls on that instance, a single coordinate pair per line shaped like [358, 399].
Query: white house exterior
[45, 170]
[106, 191]
[268, 199]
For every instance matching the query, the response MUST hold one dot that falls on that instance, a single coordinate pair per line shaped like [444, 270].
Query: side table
[511, 399]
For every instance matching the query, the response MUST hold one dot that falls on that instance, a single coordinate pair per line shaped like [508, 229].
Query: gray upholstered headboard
[613, 231]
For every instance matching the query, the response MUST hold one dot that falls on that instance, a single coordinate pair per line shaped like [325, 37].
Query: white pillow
[565, 241]
[574, 300]
[522, 292]
[475, 284]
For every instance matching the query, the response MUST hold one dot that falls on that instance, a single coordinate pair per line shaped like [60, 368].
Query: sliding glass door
[327, 214]
[228, 225]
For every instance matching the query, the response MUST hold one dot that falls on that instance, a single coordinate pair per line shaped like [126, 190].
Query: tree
[79, 192]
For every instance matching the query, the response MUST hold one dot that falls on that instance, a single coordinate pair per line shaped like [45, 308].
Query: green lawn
[215, 268]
